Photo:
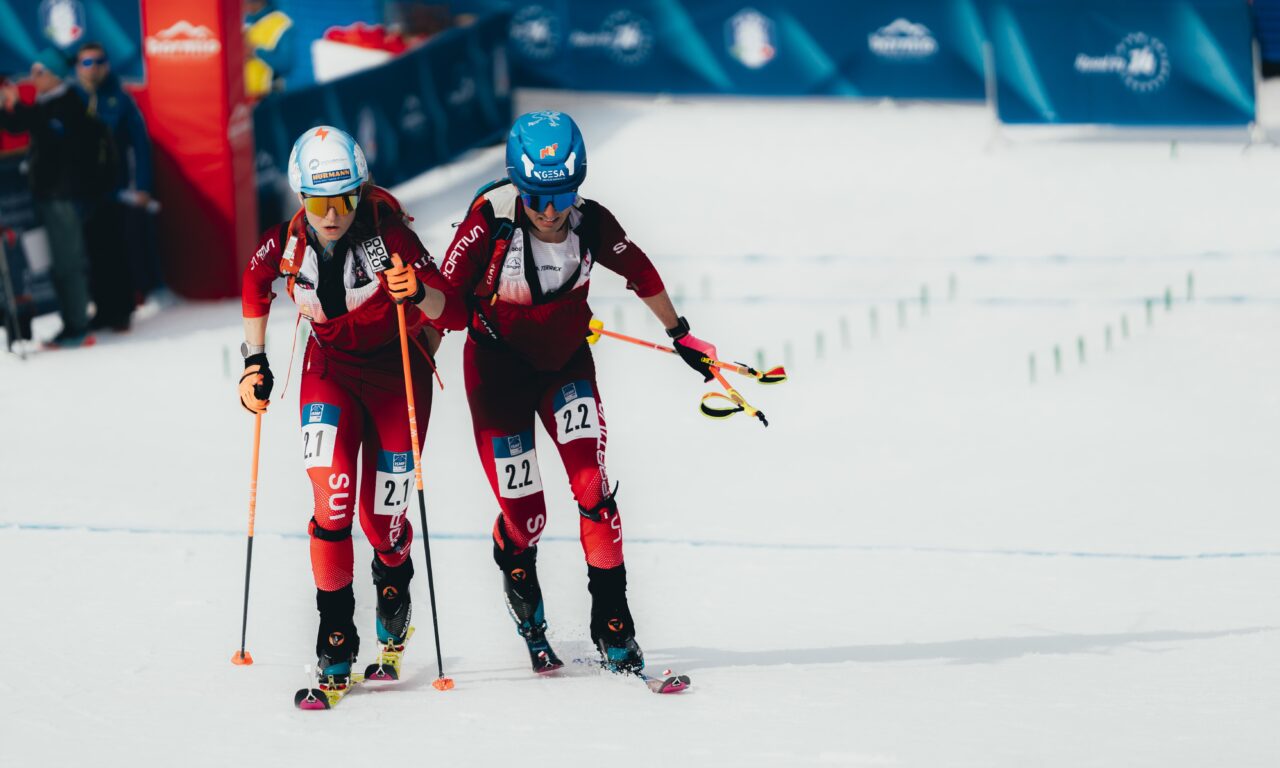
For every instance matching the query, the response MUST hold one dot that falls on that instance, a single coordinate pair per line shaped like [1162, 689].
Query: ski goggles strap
[341, 204]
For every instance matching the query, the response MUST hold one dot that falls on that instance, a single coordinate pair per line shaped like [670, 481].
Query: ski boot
[337, 641]
[524, 602]
[612, 630]
[392, 617]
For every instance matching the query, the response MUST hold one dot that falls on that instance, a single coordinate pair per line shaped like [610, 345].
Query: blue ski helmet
[326, 161]
[545, 154]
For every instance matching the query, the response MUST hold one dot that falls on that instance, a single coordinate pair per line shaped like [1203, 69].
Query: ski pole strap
[738, 402]
[717, 406]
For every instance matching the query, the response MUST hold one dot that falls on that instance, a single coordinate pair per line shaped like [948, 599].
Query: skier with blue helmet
[334, 255]
[522, 260]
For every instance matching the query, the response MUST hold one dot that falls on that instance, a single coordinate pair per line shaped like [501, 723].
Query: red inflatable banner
[201, 128]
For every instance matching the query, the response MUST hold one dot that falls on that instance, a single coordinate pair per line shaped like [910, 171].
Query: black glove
[691, 349]
[254, 394]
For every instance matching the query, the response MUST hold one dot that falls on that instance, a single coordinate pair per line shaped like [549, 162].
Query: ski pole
[775, 375]
[441, 683]
[242, 656]
[739, 404]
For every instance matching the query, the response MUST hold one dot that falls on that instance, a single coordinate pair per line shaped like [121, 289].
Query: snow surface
[925, 560]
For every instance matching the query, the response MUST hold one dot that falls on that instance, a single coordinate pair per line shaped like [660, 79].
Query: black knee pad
[604, 509]
[324, 534]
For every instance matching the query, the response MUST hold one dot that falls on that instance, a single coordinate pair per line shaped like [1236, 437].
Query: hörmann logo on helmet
[322, 176]
[184, 40]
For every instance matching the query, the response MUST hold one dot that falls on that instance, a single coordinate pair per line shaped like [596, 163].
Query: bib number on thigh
[516, 463]
[319, 434]
[393, 483]
[576, 414]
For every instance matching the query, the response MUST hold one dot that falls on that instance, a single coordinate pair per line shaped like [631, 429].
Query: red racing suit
[527, 354]
[352, 393]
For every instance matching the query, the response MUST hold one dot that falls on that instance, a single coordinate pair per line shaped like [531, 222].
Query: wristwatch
[681, 329]
[247, 350]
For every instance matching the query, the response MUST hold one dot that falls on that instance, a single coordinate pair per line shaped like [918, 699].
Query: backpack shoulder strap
[501, 196]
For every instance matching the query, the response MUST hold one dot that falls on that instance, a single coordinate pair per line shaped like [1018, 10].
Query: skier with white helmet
[522, 261]
[352, 391]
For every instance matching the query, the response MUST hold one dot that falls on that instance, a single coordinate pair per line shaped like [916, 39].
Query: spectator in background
[268, 42]
[111, 280]
[60, 135]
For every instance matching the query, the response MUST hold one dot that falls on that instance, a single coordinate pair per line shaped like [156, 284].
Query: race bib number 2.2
[516, 463]
[575, 412]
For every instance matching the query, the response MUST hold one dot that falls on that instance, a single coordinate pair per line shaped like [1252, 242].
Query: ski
[327, 695]
[543, 660]
[386, 667]
[666, 682]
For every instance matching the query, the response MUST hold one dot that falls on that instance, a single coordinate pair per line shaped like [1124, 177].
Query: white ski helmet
[326, 161]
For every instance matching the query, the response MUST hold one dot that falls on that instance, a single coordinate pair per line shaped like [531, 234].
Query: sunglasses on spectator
[560, 202]
[93, 62]
[342, 204]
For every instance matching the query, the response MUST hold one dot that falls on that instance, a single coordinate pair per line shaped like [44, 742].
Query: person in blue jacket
[125, 190]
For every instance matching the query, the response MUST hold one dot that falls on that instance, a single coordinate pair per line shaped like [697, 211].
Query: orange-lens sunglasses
[342, 204]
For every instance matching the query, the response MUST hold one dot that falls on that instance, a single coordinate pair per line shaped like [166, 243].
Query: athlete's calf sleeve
[600, 529]
[391, 539]
[332, 556]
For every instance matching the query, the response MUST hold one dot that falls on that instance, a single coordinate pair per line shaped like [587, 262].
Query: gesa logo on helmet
[554, 173]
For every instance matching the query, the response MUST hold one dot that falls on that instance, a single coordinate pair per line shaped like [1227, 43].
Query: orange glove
[256, 383]
[402, 282]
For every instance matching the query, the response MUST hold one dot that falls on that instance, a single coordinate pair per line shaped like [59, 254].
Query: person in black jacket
[115, 198]
[60, 130]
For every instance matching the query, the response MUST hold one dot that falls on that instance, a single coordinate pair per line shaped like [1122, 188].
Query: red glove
[693, 350]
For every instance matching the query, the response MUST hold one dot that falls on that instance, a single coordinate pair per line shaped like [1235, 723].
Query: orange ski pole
[441, 683]
[242, 656]
[774, 375]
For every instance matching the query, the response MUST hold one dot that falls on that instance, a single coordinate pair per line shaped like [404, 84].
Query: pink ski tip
[380, 676]
[312, 704]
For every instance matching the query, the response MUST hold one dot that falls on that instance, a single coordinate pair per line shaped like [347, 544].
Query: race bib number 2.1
[319, 434]
[575, 412]
[516, 463]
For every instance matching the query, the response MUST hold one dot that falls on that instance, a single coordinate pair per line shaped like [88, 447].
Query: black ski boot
[394, 602]
[337, 641]
[612, 630]
[524, 602]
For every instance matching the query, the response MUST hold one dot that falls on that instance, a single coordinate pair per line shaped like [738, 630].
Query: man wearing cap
[59, 132]
[116, 199]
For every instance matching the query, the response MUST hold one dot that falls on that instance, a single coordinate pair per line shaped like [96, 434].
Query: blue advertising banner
[28, 26]
[415, 112]
[1123, 62]
[928, 49]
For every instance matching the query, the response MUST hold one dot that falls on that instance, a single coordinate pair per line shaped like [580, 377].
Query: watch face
[244, 349]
